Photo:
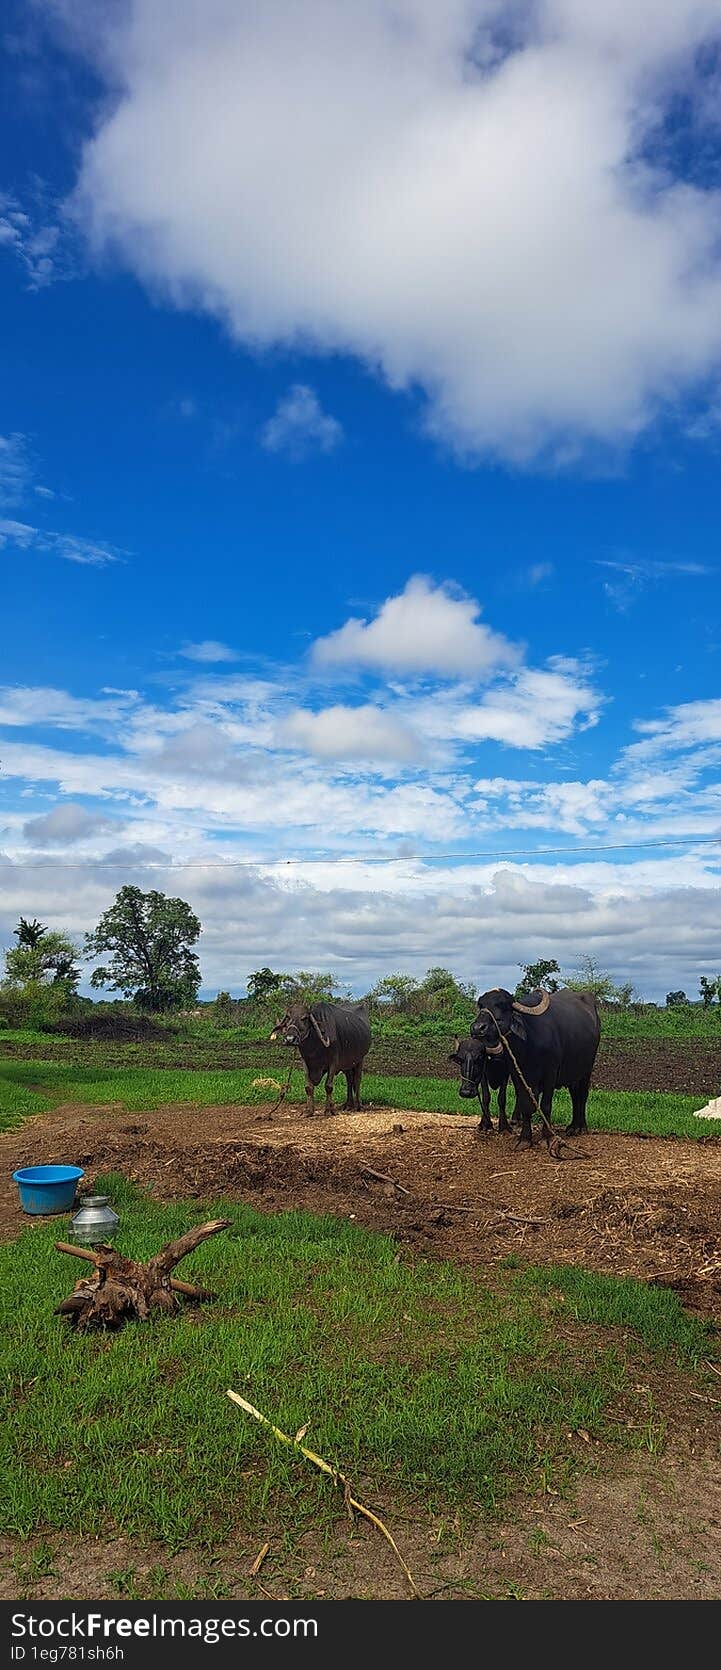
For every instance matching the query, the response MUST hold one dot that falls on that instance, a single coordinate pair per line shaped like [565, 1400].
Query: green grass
[30, 1086]
[416, 1380]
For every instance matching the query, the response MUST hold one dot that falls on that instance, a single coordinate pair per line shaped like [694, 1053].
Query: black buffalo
[554, 1038]
[481, 1072]
[332, 1038]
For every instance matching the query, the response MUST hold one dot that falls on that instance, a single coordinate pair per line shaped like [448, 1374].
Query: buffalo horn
[324, 1041]
[540, 1009]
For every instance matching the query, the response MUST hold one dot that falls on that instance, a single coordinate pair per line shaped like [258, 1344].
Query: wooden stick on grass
[338, 1478]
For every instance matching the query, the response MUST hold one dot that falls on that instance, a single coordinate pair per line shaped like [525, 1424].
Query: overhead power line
[357, 858]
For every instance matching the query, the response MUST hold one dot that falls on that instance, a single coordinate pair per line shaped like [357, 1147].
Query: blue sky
[359, 480]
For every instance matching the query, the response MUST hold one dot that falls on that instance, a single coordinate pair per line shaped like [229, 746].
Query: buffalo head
[296, 1026]
[499, 1013]
[469, 1055]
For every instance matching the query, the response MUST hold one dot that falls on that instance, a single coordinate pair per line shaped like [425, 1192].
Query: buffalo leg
[350, 1089]
[486, 1123]
[330, 1075]
[309, 1098]
[503, 1125]
[546, 1100]
[358, 1077]
[525, 1135]
[579, 1098]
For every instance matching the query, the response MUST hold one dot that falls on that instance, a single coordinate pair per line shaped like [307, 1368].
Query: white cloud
[688, 726]
[69, 546]
[39, 236]
[656, 923]
[351, 733]
[15, 469]
[477, 200]
[633, 574]
[299, 425]
[67, 824]
[427, 629]
[537, 708]
[538, 572]
[42, 705]
[208, 650]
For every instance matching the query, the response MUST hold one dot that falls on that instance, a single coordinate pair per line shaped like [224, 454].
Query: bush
[36, 1007]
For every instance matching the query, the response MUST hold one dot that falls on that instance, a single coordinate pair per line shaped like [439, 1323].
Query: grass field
[28, 1087]
[414, 1376]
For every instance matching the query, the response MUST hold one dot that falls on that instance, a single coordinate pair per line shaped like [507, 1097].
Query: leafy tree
[29, 934]
[149, 937]
[709, 990]
[41, 958]
[224, 1008]
[394, 991]
[310, 986]
[541, 974]
[675, 999]
[590, 977]
[263, 984]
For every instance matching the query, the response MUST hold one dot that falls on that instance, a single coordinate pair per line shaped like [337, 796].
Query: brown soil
[638, 1525]
[645, 1207]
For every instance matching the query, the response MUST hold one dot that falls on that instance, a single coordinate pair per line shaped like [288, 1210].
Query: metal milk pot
[95, 1220]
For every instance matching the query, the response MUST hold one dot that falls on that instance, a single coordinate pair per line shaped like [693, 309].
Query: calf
[482, 1071]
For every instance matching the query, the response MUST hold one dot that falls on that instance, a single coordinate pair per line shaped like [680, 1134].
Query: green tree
[709, 990]
[149, 937]
[29, 934]
[541, 974]
[41, 958]
[395, 991]
[439, 993]
[263, 984]
[590, 977]
[224, 1009]
[674, 1000]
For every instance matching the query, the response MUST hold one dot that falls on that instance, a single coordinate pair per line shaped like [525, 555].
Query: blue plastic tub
[47, 1189]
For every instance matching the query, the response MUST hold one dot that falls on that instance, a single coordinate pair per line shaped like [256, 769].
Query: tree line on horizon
[148, 942]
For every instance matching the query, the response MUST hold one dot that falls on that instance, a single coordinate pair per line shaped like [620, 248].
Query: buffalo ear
[518, 1027]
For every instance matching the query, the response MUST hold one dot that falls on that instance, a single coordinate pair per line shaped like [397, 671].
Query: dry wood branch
[338, 1478]
[532, 1223]
[119, 1288]
[382, 1177]
[259, 1558]
[178, 1286]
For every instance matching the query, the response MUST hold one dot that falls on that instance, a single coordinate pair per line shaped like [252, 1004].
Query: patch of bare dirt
[643, 1528]
[645, 1207]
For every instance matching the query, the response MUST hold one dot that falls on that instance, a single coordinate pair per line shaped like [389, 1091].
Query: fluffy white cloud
[299, 425]
[477, 199]
[351, 733]
[427, 629]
